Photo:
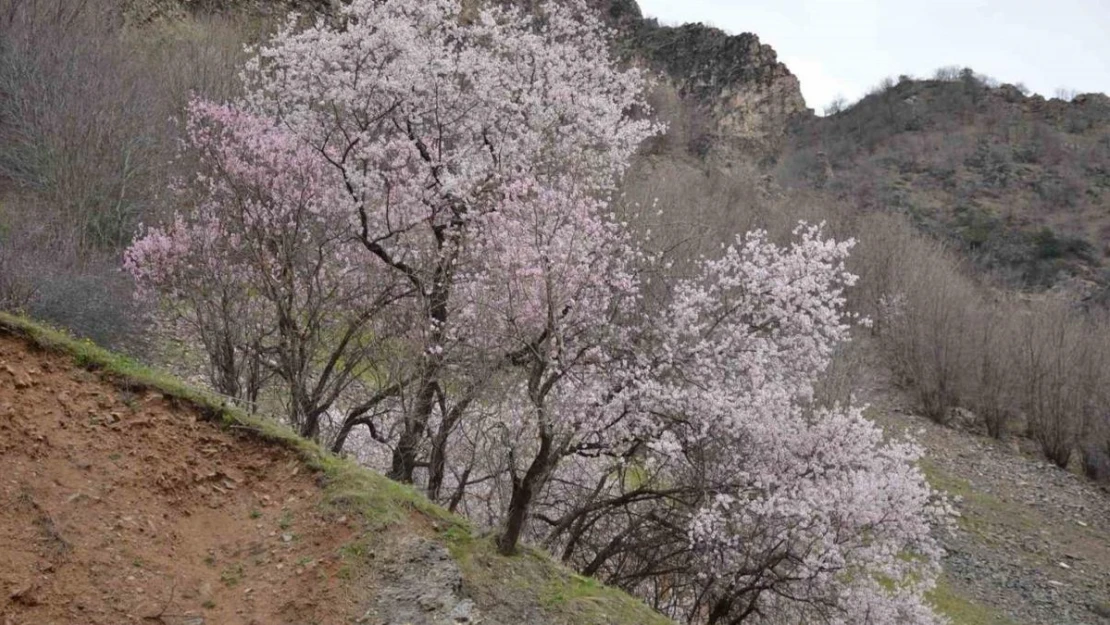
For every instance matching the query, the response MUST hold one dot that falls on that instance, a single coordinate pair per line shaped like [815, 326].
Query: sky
[845, 47]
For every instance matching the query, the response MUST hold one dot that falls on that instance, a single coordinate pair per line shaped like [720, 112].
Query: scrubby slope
[1019, 182]
[129, 498]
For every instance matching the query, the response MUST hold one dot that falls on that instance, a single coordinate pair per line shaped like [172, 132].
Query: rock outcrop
[736, 82]
[750, 96]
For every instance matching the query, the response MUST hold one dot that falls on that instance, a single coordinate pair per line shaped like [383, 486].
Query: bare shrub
[43, 274]
[839, 383]
[1094, 447]
[1093, 442]
[17, 289]
[992, 378]
[949, 73]
[883, 86]
[688, 209]
[87, 108]
[838, 105]
[930, 339]
[922, 306]
[1064, 93]
[997, 356]
[1059, 371]
[93, 300]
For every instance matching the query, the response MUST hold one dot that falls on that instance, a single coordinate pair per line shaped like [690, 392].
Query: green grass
[979, 510]
[534, 578]
[962, 611]
[380, 503]
[232, 575]
[945, 599]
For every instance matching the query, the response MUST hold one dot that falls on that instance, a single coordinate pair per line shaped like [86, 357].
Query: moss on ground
[561, 595]
[979, 510]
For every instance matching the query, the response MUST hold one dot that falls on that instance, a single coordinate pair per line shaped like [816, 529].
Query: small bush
[922, 307]
[991, 380]
[1094, 452]
[95, 302]
[1059, 371]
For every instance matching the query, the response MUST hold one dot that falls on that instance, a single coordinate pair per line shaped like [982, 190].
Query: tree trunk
[460, 491]
[404, 455]
[341, 437]
[437, 460]
[524, 492]
[519, 504]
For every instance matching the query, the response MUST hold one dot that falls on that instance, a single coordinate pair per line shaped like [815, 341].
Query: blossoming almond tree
[557, 275]
[426, 116]
[441, 176]
[268, 228]
[185, 263]
[808, 514]
[749, 504]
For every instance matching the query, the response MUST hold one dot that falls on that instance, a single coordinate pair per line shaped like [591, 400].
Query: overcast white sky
[847, 46]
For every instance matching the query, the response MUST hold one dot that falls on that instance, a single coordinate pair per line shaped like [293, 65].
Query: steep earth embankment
[128, 498]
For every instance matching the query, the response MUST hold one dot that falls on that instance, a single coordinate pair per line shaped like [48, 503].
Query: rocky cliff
[749, 96]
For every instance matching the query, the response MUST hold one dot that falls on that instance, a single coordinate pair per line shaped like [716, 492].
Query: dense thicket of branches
[1032, 366]
[88, 105]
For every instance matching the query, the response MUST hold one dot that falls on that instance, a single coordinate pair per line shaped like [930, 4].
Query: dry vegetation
[1031, 365]
[964, 341]
[1016, 182]
[90, 112]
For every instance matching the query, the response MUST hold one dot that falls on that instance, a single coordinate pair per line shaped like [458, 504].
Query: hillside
[1032, 546]
[1020, 183]
[1017, 181]
[129, 498]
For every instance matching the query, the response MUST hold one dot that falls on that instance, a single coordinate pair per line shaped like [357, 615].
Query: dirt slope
[120, 508]
[123, 502]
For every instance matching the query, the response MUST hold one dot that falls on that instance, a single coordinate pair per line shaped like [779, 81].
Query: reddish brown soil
[120, 508]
